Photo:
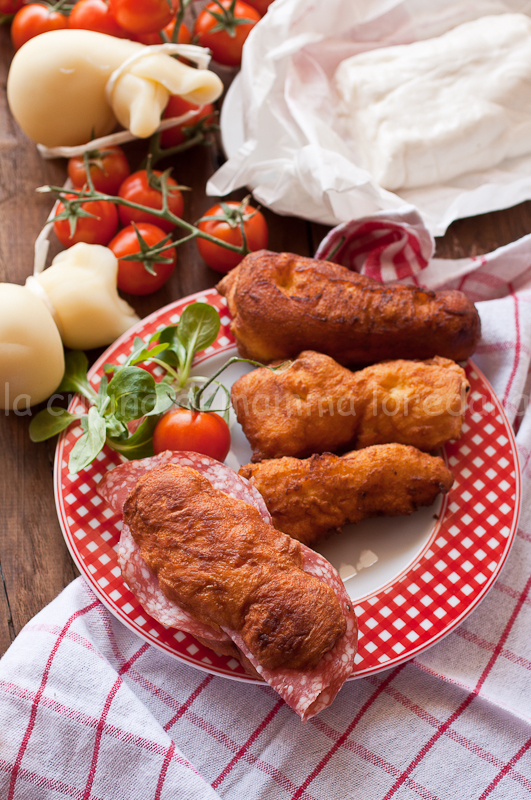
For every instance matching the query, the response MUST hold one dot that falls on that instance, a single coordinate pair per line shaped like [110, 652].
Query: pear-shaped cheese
[57, 86]
[31, 352]
[81, 286]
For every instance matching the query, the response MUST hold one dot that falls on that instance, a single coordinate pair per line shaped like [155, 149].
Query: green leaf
[140, 444]
[198, 327]
[90, 443]
[115, 428]
[165, 399]
[75, 377]
[49, 422]
[175, 354]
[146, 353]
[133, 394]
[165, 335]
[138, 346]
[103, 399]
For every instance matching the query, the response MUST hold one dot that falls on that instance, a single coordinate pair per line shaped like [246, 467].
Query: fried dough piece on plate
[315, 405]
[283, 303]
[313, 498]
[213, 558]
[221, 562]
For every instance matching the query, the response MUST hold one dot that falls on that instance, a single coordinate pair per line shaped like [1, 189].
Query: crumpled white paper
[294, 157]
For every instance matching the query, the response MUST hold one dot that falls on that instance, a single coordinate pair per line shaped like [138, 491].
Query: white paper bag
[295, 158]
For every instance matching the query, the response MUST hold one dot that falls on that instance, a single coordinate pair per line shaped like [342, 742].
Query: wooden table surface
[34, 562]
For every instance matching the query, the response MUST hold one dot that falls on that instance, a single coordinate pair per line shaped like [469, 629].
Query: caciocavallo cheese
[58, 86]
[424, 113]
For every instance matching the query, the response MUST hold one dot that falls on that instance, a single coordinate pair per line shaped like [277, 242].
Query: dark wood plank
[475, 236]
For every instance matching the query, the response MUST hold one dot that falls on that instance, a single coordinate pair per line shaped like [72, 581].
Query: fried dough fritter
[217, 558]
[315, 405]
[313, 498]
[283, 303]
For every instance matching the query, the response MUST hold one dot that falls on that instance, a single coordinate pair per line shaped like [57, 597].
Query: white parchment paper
[296, 158]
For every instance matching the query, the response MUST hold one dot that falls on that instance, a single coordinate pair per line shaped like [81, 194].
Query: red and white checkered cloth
[91, 712]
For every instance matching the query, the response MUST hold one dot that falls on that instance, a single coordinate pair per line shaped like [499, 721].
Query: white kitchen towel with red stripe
[91, 712]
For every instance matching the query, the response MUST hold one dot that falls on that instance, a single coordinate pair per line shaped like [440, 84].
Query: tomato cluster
[127, 19]
[96, 221]
[223, 25]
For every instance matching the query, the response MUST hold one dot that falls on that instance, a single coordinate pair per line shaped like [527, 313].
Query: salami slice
[120, 481]
[308, 693]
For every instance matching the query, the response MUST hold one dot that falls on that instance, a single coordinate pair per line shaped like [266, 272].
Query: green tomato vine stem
[82, 196]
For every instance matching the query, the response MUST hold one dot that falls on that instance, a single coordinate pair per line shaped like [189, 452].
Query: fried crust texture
[282, 304]
[314, 405]
[311, 499]
[217, 558]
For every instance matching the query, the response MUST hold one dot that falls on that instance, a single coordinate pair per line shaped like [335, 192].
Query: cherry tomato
[260, 5]
[136, 189]
[184, 37]
[9, 7]
[200, 431]
[142, 16]
[177, 106]
[93, 230]
[95, 15]
[133, 276]
[226, 49]
[216, 256]
[108, 167]
[33, 20]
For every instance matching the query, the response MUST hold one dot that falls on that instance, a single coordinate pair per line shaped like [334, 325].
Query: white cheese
[81, 286]
[57, 85]
[31, 352]
[423, 113]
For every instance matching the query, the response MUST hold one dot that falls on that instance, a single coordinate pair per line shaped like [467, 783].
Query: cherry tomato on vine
[33, 20]
[200, 431]
[184, 35]
[133, 277]
[9, 7]
[143, 16]
[137, 189]
[177, 106]
[260, 5]
[228, 230]
[108, 168]
[226, 44]
[95, 15]
[98, 229]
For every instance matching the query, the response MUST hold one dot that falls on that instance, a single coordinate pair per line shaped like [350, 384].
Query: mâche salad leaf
[49, 422]
[128, 392]
[90, 443]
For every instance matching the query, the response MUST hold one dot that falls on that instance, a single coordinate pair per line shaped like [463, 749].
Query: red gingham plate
[420, 593]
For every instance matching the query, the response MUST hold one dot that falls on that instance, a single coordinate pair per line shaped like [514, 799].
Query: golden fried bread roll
[312, 498]
[283, 303]
[315, 405]
[216, 557]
